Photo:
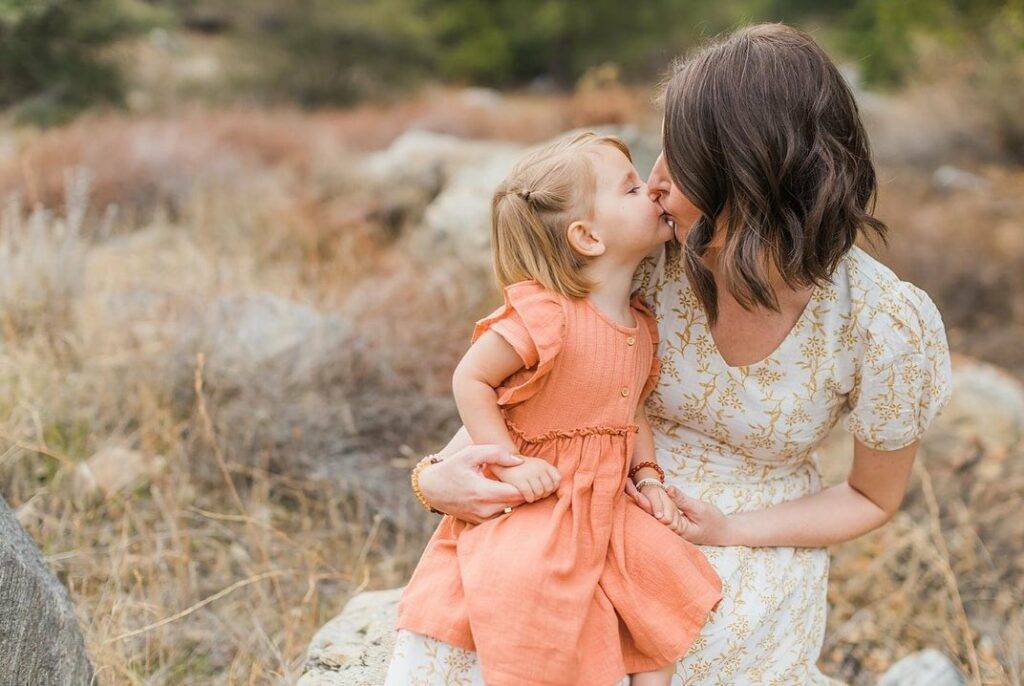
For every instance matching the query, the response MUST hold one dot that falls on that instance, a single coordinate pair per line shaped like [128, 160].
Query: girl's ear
[583, 240]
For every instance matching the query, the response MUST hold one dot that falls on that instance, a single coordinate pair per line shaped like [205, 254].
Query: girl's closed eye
[634, 189]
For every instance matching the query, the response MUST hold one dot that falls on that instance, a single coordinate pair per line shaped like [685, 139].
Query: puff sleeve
[649, 320]
[904, 374]
[532, 321]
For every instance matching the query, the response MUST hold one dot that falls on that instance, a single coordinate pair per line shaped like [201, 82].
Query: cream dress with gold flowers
[869, 349]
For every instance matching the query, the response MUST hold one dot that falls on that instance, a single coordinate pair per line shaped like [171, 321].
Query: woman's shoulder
[895, 316]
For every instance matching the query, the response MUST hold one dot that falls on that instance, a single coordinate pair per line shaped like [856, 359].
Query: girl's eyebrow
[626, 178]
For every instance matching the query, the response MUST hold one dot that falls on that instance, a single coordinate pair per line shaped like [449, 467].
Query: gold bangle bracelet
[414, 477]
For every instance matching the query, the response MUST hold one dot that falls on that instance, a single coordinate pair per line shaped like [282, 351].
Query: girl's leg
[658, 677]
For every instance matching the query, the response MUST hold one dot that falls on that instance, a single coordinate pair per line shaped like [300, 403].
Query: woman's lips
[669, 219]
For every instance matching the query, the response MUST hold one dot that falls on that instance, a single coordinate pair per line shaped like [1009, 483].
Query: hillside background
[234, 281]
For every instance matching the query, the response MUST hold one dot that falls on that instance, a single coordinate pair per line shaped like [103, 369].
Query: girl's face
[626, 217]
[678, 210]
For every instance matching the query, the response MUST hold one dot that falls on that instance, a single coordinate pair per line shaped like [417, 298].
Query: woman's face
[678, 210]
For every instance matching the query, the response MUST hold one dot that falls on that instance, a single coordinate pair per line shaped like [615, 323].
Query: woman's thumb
[679, 498]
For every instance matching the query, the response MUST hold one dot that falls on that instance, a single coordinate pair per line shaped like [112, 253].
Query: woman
[774, 326]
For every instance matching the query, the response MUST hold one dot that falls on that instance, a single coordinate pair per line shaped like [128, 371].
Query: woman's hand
[702, 523]
[457, 486]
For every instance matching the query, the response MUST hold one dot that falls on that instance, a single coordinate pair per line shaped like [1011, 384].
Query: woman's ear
[583, 240]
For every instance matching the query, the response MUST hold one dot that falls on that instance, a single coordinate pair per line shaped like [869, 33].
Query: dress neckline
[611, 322]
[798, 325]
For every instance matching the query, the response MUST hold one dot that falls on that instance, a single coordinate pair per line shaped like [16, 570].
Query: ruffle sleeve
[649, 320]
[905, 376]
[532, 321]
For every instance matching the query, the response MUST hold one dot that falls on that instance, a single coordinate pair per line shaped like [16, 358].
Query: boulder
[354, 648]
[242, 336]
[40, 642]
[927, 667]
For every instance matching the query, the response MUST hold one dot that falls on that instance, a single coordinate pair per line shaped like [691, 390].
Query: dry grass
[279, 462]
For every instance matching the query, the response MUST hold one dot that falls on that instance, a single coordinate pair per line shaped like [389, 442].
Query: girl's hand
[664, 510]
[535, 478]
[638, 497]
[702, 522]
[458, 487]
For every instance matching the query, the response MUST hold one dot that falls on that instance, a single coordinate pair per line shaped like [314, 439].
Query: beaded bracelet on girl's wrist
[653, 465]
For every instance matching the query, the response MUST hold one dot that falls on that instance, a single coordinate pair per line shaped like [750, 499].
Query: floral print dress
[869, 350]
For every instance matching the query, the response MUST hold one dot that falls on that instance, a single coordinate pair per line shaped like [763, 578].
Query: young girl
[559, 375]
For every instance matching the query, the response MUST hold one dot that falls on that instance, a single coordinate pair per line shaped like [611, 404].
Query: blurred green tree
[52, 60]
[323, 52]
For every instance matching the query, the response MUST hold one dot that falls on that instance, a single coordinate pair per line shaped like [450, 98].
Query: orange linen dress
[584, 586]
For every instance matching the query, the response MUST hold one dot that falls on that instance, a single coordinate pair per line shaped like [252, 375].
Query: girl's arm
[644, 446]
[488, 362]
[868, 499]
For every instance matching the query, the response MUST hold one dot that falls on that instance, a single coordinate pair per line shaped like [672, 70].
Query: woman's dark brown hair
[762, 131]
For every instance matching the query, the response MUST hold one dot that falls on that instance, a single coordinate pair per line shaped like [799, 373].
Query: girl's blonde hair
[551, 187]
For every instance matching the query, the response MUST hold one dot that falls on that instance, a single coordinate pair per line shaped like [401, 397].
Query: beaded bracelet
[653, 465]
[414, 477]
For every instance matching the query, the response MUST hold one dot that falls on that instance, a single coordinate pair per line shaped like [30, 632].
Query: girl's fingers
[556, 476]
[492, 454]
[549, 483]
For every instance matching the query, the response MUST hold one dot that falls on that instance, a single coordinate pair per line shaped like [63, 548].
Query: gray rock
[426, 160]
[950, 178]
[354, 648]
[40, 642]
[927, 667]
[458, 221]
[242, 334]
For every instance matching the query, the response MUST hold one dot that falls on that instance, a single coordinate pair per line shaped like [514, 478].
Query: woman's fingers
[684, 502]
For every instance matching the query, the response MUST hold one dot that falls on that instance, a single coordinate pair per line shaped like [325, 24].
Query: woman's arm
[868, 499]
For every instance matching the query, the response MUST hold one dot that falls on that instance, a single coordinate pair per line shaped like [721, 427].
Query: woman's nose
[658, 183]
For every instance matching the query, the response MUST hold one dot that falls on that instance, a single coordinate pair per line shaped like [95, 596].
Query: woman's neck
[789, 298]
